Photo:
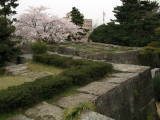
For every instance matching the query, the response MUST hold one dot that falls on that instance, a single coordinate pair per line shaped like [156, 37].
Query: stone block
[45, 111]
[19, 117]
[94, 116]
[97, 88]
[74, 100]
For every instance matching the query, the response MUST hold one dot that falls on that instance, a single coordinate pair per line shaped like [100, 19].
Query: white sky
[92, 9]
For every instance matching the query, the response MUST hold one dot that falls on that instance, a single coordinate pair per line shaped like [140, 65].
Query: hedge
[80, 72]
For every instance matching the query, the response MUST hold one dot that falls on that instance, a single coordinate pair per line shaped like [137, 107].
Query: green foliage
[150, 54]
[79, 72]
[99, 34]
[75, 112]
[39, 47]
[77, 17]
[138, 21]
[2, 71]
[156, 86]
[8, 51]
[7, 7]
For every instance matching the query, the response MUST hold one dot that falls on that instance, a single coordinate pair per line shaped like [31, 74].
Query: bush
[150, 55]
[39, 47]
[79, 72]
[156, 86]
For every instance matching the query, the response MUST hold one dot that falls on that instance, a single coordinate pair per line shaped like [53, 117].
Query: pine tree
[7, 49]
[77, 17]
[7, 7]
[140, 19]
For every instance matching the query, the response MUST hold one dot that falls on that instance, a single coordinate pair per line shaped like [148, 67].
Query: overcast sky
[92, 9]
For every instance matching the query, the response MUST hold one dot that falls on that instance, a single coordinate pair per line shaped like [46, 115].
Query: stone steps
[22, 70]
[112, 96]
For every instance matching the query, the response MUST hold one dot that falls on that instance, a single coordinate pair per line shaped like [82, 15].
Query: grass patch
[96, 48]
[39, 67]
[7, 81]
[67, 92]
[75, 112]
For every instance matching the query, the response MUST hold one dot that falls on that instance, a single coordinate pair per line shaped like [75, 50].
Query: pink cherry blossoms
[37, 23]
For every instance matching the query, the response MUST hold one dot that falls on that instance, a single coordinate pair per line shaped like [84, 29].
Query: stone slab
[73, 100]
[154, 72]
[45, 111]
[19, 117]
[15, 68]
[97, 88]
[119, 78]
[130, 68]
[94, 116]
[20, 72]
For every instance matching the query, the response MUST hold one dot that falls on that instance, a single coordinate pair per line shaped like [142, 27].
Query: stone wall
[124, 57]
[128, 96]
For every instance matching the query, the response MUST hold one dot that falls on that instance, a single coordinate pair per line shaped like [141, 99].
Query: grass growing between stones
[74, 113]
[39, 67]
[68, 92]
[95, 49]
[7, 81]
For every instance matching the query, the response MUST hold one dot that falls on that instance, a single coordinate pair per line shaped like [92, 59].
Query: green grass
[68, 92]
[74, 113]
[39, 67]
[7, 81]
[100, 48]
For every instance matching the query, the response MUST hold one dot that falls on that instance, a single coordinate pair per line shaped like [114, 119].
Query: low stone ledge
[119, 78]
[130, 68]
[45, 111]
[19, 117]
[94, 116]
[97, 88]
[73, 100]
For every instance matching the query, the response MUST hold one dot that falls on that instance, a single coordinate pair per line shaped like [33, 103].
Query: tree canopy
[135, 23]
[77, 17]
[7, 46]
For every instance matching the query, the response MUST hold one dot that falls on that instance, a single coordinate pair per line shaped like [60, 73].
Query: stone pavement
[22, 70]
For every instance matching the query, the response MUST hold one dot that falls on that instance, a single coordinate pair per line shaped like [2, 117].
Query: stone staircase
[112, 96]
[22, 70]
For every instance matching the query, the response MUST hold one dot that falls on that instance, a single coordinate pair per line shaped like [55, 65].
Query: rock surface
[94, 116]
[97, 88]
[19, 117]
[23, 70]
[45, 111]
[76, 99]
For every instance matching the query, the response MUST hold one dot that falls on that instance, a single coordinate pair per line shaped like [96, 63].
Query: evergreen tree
[77, 17]
[138, 18]
[7, 49]
[7, 7]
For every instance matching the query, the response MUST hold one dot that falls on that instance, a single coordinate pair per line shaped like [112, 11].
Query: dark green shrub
[39, 47]
[2, 71]
[154, 44]
[156, 86]
[27, 94]
[150, 55]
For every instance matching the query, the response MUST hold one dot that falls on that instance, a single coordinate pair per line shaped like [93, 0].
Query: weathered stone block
[45, 111]
[94, 116]
[73, 100]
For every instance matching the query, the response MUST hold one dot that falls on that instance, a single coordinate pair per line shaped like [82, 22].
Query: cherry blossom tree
[37, 23]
